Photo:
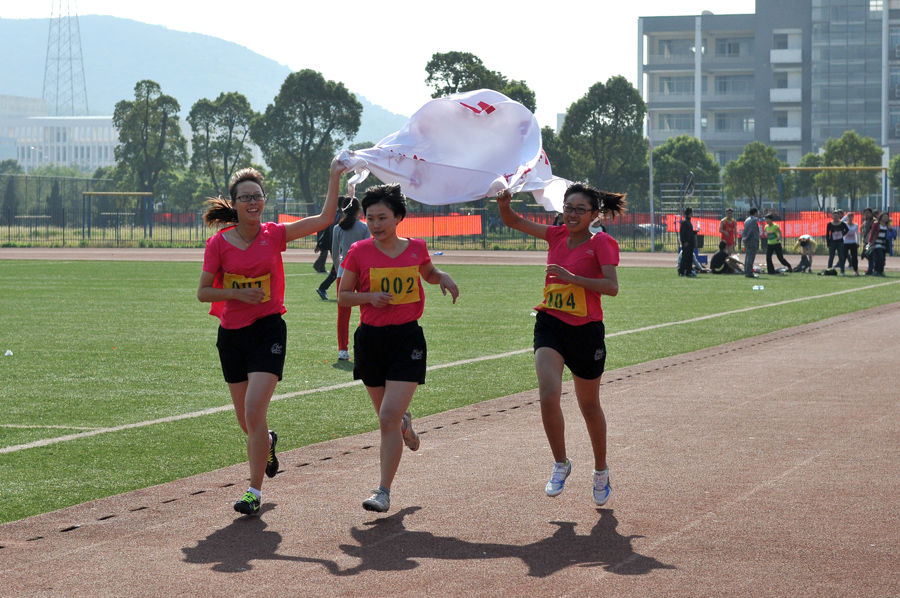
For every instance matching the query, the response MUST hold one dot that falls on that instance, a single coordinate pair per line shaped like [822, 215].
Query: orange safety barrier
[439, 226]
[426, 226]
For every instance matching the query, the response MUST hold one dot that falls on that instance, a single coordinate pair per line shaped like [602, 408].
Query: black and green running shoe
[248, 505]
[272, 465]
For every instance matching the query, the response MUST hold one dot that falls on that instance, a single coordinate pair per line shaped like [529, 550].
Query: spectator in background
[750, 236]
[346, 232]
[864, 232]
[728, 230]
[773, 234]
[806, 246]
[688, 240]
[834, 235]
[891, 235]
[851, 243]
[323, 246]
[878, 241]
[322, 289]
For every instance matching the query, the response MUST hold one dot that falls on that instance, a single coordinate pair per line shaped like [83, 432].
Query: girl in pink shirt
[569, 330]
[383, 275]
[243, 278]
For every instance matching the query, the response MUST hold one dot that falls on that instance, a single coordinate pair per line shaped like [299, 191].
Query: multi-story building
[792, 75]
[86, 142]
[33, 139]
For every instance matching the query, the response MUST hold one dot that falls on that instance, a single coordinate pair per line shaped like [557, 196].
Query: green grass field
[106, 344]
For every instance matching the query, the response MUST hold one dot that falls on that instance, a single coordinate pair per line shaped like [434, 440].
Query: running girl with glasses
[243, 278]
[569, 331]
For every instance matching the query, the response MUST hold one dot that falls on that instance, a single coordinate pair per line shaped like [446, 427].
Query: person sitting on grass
[719, 262]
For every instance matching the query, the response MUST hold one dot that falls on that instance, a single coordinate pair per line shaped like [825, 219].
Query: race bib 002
[402, 283]
[236, 281]
[569, 298]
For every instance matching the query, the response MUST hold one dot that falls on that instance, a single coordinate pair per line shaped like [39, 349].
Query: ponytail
[608, 203]
[219, 212]
[612, 203]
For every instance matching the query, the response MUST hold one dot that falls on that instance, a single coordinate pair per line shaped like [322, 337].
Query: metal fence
[442, 229]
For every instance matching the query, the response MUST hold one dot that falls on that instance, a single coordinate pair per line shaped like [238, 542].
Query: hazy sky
[380, 50]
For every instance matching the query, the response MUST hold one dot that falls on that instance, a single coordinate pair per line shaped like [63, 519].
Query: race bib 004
[402, 283]
[569, 298]
[236, 281]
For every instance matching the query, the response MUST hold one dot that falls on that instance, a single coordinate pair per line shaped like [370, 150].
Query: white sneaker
[343, 355]
[602, 490]
[558, 478]
[380, 501]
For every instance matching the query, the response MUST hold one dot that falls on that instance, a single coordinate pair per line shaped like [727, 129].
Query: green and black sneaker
[272, 465]
[248, 505]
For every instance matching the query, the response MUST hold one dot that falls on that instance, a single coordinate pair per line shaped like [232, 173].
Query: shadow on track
[386, 545]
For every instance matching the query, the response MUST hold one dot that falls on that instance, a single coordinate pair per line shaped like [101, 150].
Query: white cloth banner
[461, 148]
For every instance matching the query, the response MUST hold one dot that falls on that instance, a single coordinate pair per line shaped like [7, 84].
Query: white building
[33, 139]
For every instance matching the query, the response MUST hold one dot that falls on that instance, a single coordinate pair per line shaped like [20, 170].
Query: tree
[556, 153]
[680, 155]
[10, 198]
[300, 132]
[10, 202]
[221, 130]
[10, 167]
[808, 183]
[894, 171]
[602, 136]
[150, 139]
[55, 205]
[184, 191]
[754, 174]
[852, 150]
[454, 72]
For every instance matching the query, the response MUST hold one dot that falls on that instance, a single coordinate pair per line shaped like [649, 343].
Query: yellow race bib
[568, 298]
[236, 281]
[402, 283]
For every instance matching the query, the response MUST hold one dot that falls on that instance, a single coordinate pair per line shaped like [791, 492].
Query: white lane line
[18, 426]
[229, 407]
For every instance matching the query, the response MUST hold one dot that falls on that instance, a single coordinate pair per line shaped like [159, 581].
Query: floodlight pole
[780, 192]
[652, 220]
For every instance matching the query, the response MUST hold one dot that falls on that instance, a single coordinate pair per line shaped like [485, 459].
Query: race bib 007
[569, 298]
[236, 281]
[402, 283]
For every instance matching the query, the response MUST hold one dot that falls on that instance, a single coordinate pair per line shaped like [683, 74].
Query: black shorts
[258, 347]
[383, 353]
[583, 348]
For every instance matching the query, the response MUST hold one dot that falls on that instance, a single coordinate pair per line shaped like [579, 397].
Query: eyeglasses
[580, 210]
[249, 198]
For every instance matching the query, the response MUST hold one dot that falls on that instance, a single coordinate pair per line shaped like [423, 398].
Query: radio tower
[64, 88]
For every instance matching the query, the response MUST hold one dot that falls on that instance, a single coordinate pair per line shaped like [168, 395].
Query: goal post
[782, 170]
[86, 196]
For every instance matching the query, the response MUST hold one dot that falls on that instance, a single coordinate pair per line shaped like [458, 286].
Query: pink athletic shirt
[398, 276]
[259, 264]
[585, 260]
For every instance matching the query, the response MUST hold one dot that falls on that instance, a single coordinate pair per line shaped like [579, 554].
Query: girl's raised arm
[513, 220]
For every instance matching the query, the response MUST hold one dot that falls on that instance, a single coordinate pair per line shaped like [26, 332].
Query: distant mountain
[117, 53]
